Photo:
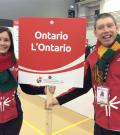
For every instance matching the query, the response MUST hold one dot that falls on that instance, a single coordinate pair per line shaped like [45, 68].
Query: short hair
[104, 15]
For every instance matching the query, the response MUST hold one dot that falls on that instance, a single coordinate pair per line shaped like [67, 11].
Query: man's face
[106, 31]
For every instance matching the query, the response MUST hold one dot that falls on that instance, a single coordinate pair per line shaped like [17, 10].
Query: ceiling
[12, 9]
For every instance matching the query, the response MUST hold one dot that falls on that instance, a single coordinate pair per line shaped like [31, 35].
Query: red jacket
[108, 116]
[10, 106]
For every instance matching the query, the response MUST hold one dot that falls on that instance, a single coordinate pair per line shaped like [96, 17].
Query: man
[103, 75]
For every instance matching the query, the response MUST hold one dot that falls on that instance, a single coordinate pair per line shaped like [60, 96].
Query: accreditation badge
[103, 95]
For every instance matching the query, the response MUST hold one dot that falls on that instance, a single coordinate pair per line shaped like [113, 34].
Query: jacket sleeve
[76, 92]
[32, 90]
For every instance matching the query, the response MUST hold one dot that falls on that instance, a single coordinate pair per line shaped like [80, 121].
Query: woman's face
[5, 42]
[106, 31]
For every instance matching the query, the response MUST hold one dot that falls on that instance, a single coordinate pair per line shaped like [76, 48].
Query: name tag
[103, 95]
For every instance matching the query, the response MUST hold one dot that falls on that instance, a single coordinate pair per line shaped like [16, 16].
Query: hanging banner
[52, 51]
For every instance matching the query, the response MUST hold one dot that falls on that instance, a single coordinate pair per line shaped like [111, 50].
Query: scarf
[100, 69]
[7, 81]
[6, 61]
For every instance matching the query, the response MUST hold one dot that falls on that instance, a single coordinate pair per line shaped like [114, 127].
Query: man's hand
[51, 103]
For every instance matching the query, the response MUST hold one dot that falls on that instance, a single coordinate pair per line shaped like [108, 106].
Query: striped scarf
[100, 69]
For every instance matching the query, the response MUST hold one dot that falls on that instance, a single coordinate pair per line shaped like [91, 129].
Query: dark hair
[3, 29]
[104, 15]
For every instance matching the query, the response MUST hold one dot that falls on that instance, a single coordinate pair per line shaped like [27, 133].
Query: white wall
[109, 5]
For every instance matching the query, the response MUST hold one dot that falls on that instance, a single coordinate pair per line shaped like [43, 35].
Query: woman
[11, 115]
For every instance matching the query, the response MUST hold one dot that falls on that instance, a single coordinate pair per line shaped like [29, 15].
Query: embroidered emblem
[111, 104]
[4, 102]
[118, 59]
